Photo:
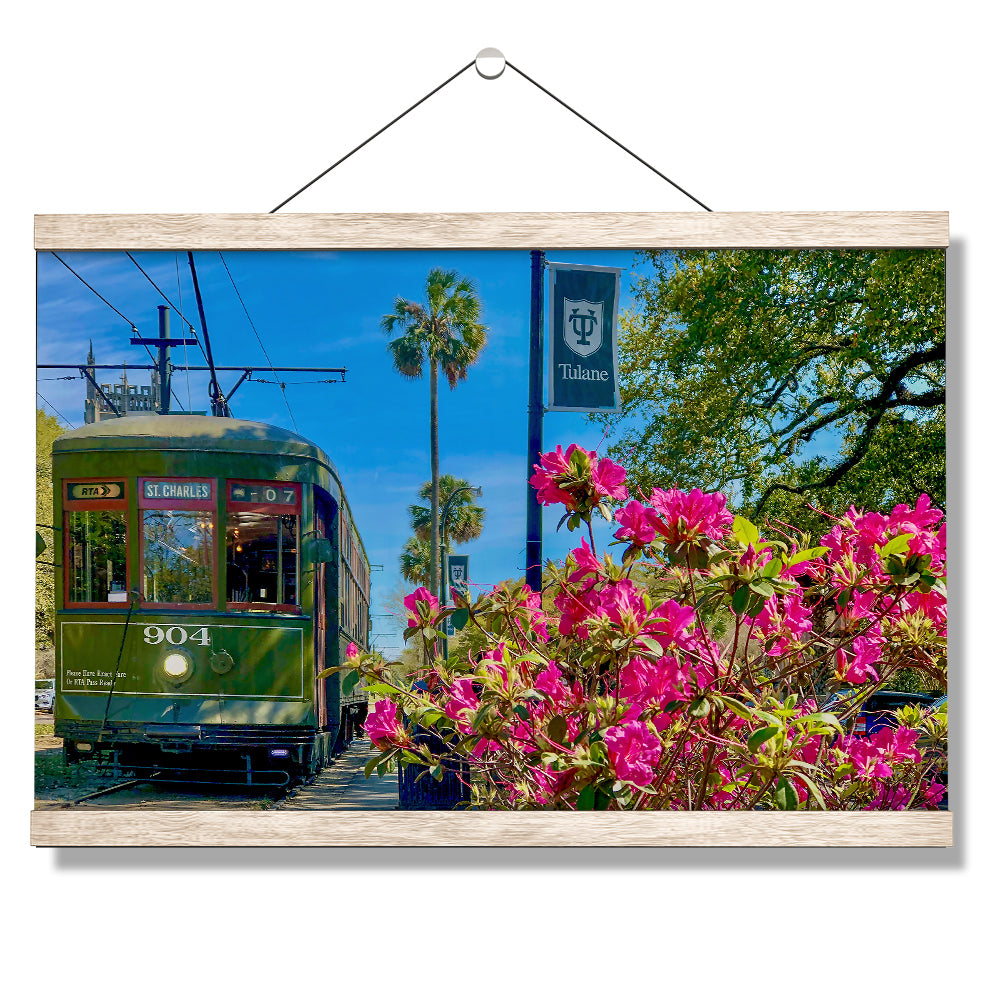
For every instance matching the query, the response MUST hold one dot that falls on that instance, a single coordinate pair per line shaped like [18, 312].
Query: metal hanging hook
[490, 63]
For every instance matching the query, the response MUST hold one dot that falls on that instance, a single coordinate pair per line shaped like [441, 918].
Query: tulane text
[579, 372]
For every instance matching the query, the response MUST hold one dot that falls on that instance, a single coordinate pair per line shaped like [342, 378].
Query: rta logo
[583, 326]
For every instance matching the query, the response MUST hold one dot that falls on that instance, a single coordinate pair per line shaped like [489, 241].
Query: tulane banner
[457, 579]
[583, 337]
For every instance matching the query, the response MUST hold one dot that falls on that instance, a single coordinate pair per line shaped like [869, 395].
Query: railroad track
[153, 793]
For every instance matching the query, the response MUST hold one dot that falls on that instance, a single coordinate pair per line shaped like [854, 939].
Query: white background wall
[228, 107]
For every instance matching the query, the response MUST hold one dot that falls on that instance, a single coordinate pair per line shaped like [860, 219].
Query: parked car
[45, 694]
[876, 713]
[877, 710]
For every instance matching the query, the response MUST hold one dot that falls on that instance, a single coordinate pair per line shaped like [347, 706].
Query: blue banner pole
[533, 534]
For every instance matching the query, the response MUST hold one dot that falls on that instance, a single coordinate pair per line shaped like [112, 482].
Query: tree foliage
[464, 523]
[465, 518]
[787, 377]
[47, 429]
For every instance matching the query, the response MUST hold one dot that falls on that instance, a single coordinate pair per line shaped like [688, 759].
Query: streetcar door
[324, 597]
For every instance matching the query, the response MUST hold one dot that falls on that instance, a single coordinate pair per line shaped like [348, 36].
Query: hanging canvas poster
[583, 337]
[740, 636]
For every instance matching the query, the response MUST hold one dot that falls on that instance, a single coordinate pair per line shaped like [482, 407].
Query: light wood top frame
[627, 230]
[597, 231]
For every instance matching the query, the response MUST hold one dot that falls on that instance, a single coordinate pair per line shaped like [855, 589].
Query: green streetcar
[209, 570]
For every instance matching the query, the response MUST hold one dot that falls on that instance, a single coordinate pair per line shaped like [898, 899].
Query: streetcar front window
[177, 556]
[261, 558]
[95, 556]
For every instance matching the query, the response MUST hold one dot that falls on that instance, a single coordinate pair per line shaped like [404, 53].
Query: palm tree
[444, 330]
[465, 518]
[414, 562]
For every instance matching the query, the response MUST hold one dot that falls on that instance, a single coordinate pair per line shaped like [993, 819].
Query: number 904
[174, 635]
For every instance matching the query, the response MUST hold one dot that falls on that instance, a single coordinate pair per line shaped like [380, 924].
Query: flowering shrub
[688, 674]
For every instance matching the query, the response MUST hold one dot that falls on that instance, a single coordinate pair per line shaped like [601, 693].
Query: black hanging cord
[606, 136]
[375, 136]
[658, 173]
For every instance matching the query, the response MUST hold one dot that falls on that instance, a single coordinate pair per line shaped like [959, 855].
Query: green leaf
[785, 796]
[763, 588]
[377, 688]
[811, 785]
[556, 729]
[734, 706]
[804, 555]
[901, 543]
[349, 681]
[585, 800]
[760, 736]
[827, 718]
[745, 531]
[330, 671]
[699, 708]
[773, 568]
[741, 598]
[652, 645]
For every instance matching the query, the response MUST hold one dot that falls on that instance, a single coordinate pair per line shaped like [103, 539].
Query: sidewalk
[343, 785]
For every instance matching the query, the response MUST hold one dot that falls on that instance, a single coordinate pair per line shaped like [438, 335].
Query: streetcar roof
[174, 432]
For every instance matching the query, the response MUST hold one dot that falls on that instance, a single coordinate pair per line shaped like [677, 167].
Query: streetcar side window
[95, 556]
[262, 545]
[177, 556]
[261, 558]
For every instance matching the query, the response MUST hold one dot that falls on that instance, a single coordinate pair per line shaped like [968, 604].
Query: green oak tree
[47, 429]
[786, 378]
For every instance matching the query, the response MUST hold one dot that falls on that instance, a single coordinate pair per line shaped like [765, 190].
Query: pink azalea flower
[550, 682]
[867, 652]
[576, 606]
[384, 727]
[351, 652]
[586, 561]
[634, 752]
[669, 622]
[653, 685]
[554, 464]
[635, 525]
[933, 605]
[623, 604]
[418, 616]
[609, 480]
[686, 516]
[463, 699]
[933, 793]
[904, 520]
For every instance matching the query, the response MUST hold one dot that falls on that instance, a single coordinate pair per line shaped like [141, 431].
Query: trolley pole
[163, 361]
[533, 532]
[163, 367]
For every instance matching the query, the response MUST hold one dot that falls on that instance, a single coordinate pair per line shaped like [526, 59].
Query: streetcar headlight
[176, 666]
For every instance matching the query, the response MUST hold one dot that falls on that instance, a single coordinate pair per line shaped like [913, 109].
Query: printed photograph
[491, 530]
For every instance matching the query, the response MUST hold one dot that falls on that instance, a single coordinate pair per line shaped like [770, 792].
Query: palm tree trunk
[435, 499]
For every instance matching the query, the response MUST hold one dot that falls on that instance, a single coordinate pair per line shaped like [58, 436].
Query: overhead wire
[180, 298]
[281, 385]
[135, 329]
[51, 407]
[187, 322]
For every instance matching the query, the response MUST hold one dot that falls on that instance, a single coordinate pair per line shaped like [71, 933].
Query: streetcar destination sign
[256, 493]
[95, 491]
[176, 490]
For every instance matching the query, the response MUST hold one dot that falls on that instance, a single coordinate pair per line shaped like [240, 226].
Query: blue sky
[323, 309]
